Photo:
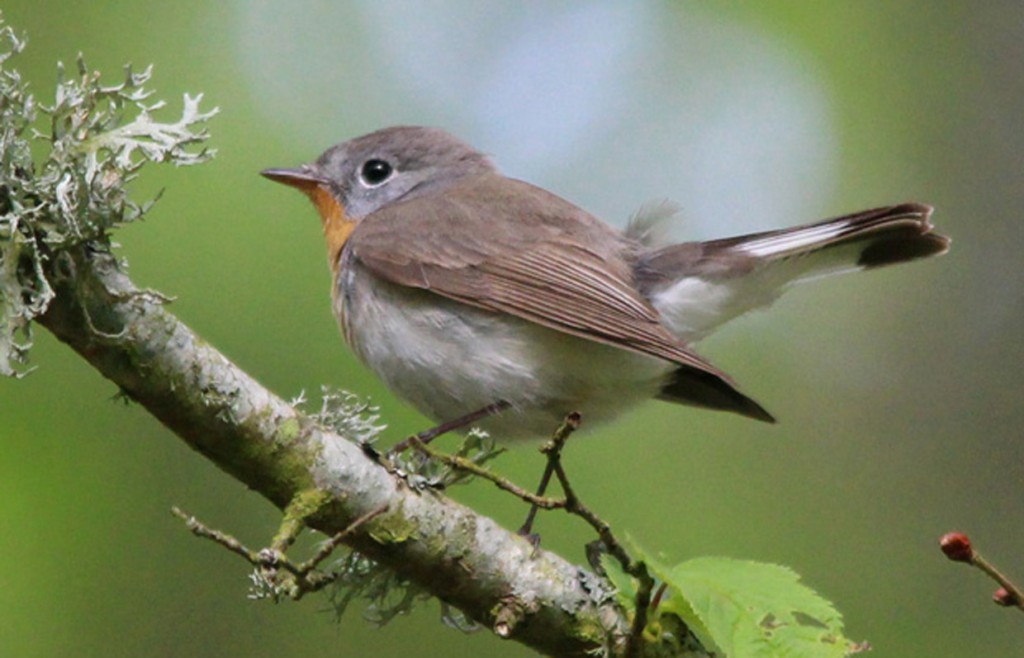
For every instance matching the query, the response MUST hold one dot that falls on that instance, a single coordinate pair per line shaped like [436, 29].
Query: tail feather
[697, 286]
[888, 235]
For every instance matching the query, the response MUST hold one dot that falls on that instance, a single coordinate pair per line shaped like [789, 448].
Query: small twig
[328, 546]
[575, 506]
[957, 547]
[636, 569]
[472, 468]
[553, 450]
[200, 529]
[645, 581]
[303, 578]
[572, 504]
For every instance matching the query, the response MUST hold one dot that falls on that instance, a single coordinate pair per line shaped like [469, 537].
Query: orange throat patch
[337, 225]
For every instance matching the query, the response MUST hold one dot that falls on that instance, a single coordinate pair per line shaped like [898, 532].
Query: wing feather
[509, 247]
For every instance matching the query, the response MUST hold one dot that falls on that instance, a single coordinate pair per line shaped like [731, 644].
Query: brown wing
[509, 247]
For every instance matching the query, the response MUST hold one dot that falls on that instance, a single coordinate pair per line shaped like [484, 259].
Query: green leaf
[754, 610]
[678, 605]
[672, 613]
[625, 586]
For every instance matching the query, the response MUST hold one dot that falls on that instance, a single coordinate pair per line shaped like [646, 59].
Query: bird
[475, 295]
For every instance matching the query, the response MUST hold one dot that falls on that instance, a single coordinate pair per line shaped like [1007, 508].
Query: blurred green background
[898, 391]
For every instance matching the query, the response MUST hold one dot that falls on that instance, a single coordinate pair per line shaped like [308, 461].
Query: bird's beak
[337, 225]
[299, 178]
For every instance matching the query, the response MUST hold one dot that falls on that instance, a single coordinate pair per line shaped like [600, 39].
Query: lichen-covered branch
[463, 558]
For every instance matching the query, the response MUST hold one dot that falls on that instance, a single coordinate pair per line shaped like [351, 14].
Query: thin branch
[463, 464]
[573, 505]
[328, 546]
[302, 578]
[200, 529]
[958, 547]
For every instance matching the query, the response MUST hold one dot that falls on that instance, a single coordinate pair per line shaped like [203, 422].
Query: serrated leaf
[677, 604]
[756, 610]
[673, 605]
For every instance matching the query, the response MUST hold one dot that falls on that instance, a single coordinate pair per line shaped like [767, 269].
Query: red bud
[957, 547]
[1004, 598]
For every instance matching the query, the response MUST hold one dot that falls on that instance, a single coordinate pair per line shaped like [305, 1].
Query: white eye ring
[375, 172]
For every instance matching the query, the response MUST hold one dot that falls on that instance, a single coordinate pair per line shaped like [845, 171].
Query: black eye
[374, 172]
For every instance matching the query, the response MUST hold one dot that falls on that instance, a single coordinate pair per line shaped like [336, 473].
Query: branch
[465, 559]
[958, 548]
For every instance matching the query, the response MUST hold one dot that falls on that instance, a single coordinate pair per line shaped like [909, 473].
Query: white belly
[448, 359]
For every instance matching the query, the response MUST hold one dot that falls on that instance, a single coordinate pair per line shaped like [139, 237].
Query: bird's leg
[429, 435]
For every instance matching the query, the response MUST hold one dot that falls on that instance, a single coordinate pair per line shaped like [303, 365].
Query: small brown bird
[465, 290]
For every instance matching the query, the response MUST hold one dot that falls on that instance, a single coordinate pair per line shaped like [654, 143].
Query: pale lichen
[99, 136]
